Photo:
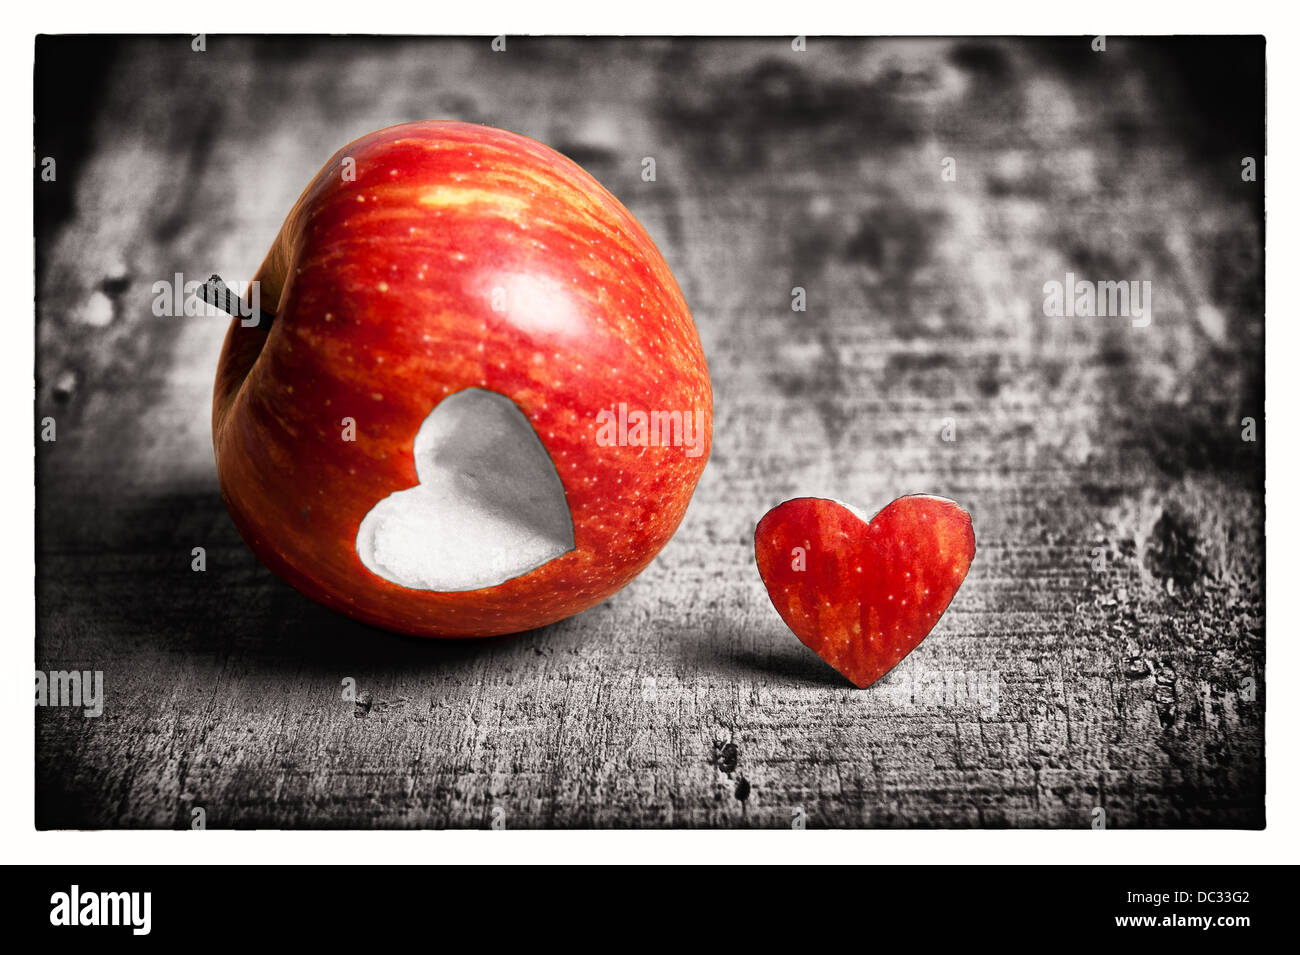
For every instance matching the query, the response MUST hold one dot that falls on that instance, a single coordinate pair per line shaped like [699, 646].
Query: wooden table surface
[1102, 651]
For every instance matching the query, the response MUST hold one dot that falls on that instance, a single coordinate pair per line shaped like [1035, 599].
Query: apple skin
[865, 593]
[383, 294]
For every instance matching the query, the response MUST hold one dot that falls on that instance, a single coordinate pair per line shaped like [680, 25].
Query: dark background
[1083, 900]
[684, 701]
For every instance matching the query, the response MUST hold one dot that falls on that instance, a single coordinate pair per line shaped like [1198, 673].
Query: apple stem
[219, 295]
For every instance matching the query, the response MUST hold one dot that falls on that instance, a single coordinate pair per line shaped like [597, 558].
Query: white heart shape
[489, 507]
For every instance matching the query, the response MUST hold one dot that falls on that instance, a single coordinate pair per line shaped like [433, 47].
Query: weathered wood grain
[1097, 653]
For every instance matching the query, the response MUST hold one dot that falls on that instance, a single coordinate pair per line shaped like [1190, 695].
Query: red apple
[862, 594]
[440, 433]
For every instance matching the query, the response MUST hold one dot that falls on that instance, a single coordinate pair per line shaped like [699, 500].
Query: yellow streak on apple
[447, 196]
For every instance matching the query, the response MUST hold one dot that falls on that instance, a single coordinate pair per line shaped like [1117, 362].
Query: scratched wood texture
[1106, 649]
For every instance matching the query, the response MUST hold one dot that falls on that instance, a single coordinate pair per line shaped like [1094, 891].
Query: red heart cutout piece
[862, 594]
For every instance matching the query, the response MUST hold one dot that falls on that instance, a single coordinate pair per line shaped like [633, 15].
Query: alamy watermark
[72, 688]
[77, 907]
[654, 429]
[978, 690]
[177, 298]
[1082, 298]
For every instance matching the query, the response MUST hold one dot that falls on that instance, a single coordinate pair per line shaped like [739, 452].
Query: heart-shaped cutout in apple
[489, 506]
[863, 593]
